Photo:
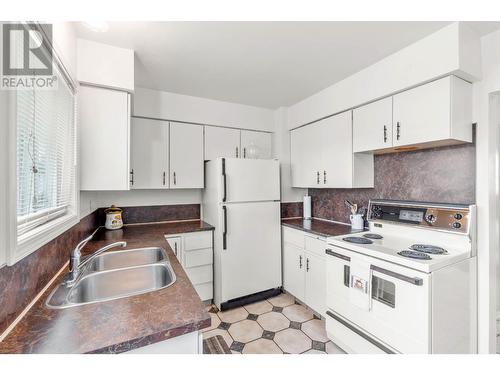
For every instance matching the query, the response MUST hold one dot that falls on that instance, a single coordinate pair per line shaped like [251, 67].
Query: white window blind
[46, 154]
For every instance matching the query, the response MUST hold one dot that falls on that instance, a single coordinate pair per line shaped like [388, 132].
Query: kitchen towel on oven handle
[359, 283]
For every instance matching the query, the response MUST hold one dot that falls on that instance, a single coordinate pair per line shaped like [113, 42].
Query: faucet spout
[76, 265]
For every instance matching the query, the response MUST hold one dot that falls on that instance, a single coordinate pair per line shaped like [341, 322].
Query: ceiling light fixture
[97, 26]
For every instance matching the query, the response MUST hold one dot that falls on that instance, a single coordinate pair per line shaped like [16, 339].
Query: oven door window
[384, 291]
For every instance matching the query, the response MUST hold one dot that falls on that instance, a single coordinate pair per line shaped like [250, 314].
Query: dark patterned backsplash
[25, 279]
[151, 214]
[445, 174]
[291, 209]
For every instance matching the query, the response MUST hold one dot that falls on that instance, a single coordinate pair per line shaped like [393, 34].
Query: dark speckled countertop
[122, 324]
[319, 227]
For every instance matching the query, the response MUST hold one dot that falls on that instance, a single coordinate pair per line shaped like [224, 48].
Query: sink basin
[116, 275]
[107, 285]
[127, 258]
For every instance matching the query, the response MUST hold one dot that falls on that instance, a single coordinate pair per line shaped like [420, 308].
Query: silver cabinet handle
[175, 179]
[163, 178]
[398, 131]
[317, 177]
[385, 134]
[244, 153]
[324, 177]
[132, 177]
[307, 264]
[300, 261]
[412, 280]
[236, 151]
[175, 248]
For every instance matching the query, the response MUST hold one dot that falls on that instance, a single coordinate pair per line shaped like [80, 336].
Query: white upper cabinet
[149, 148]
[258, 142]
[104, 138]
[104, 65]
[322, 156]
[372, 126]
[186, 156]
[235, 143]
[305, 154]
[221, 142]
[436, 113]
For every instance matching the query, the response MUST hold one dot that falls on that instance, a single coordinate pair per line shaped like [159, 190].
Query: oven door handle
[360, 333]
[333, 253]
[412, 280]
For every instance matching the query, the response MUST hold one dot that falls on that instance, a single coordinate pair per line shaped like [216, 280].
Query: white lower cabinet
[190, 343]
[304, 268]
[195, 253]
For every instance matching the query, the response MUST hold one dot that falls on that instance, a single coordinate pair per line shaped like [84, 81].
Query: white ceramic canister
[113, 218]
[357, 221]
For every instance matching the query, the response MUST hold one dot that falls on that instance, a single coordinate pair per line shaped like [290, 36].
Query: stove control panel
[453, 218]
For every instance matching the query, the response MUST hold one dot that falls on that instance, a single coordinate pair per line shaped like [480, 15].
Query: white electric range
[408, 285]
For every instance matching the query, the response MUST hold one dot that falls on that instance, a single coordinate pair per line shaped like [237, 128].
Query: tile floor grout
[236, 346]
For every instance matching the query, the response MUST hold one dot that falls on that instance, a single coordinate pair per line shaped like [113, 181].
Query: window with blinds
[46, 154]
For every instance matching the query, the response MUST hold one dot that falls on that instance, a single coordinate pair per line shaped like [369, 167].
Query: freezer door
[251, 180]
[251, 261]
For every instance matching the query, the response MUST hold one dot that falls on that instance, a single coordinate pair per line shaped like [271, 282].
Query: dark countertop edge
[325, 222]
[138, 342]
[152, 339]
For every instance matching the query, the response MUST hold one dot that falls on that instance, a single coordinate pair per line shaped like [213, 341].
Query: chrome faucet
[76, 265]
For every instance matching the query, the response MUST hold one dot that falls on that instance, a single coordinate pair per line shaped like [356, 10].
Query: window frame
[18, 247]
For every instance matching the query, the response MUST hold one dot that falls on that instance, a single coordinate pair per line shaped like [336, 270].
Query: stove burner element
[414, 255]
[373, 236]
[359, 240]
[428, 249]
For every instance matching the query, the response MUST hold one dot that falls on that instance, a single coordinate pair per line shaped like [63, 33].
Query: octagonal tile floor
[273, 326]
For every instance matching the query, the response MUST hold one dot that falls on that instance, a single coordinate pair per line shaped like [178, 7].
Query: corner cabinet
[438, 113]
[322, 156]
[304, 268]
[104, 118]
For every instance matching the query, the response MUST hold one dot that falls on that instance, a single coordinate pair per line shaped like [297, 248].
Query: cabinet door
[186, 156]
[422, 114]
[293, 270]
[315, 282]
[104, 138]
[258, 141]
[175, 245]
[305, 156]
[221, 142]
[149, 154]
[335, 139]
[372, 126]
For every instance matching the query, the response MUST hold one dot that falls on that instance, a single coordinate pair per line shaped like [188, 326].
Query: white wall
[453, 49]
[64, 40]
[281, 149]
[170, 106]
[485, 109]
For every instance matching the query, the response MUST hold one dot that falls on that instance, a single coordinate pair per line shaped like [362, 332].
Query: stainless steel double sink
[116, 275]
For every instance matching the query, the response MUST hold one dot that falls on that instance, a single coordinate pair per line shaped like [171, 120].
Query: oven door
[398, 311]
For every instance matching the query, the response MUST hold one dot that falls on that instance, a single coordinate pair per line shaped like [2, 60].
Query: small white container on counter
[357, 221]
[113, 218]
[307, 207]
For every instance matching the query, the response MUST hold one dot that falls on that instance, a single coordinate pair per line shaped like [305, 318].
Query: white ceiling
[266, 64]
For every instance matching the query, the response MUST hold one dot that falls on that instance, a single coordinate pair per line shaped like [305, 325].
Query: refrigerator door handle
[224, 196]
[224, 232]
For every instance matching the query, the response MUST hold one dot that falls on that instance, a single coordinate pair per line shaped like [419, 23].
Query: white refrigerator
[241, 200]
